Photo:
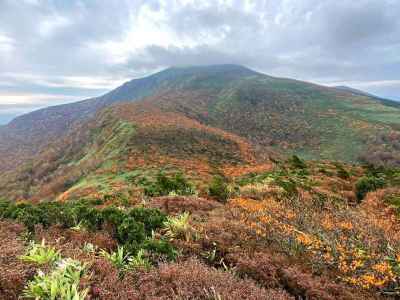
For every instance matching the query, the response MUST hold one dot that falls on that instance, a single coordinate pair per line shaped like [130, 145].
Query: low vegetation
[219, 189]
[41, 254]
[165, 185]
[60, 283]
[132, 228]
[178, 227]
[299, 230]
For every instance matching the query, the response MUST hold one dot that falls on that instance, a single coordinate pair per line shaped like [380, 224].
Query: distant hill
[202, 118]
[354, 91]
[362, 93]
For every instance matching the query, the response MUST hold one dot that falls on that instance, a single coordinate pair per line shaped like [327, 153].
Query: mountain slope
[307, 119]
[28, 134]
[120, 140]
[202, 118]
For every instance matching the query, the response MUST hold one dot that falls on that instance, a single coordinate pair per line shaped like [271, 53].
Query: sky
[58, 51]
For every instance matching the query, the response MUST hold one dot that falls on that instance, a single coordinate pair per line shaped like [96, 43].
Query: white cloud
[36, 99]
[85, 82]
[50, 25]
[6, 45]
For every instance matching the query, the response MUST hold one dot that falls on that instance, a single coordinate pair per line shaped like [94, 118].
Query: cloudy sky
[56, 51]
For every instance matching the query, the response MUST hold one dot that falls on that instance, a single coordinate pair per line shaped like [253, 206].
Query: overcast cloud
[55, 51]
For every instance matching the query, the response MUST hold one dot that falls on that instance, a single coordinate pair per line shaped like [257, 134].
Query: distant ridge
[362, 93]
[354, 91]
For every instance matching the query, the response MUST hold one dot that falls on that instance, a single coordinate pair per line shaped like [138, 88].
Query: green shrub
[28, 215]
[165, 185]
[53, 213]
[289, 185]
[131, 232]
[297, 163]
[6, 209]
[151, 218]
[130, 227]
[113, 216]
[95, 201]
[89, 216]
[342, 172]
[160, 247]
[219, 189]
[368, 184]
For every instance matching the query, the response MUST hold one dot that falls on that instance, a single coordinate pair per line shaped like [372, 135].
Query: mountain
[26, 135]
[218, 115]
[161, 187]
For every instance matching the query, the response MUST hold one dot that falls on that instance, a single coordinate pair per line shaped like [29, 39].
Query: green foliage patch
[61, 283]
[341, 171]
[368, 184]
[289, 179]
[219, 189]
[165, 185]
[132, 228]
[376, 178]
[41, 254]
[297, 163]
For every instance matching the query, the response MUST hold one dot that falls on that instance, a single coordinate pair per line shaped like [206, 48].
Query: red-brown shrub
[107, 283]
[193, 280]
[13, 272]
[75, 238]
[179, 204]
[261, 267]
[306, 286]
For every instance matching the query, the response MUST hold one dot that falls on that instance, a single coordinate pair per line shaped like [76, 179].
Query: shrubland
[297, 230]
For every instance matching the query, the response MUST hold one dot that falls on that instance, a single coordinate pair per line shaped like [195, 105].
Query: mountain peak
[219, 67]
[209, 69]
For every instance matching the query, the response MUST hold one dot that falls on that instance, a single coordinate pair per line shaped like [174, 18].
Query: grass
[119, 258]
[41, 254]
[61, 283]
[110, 141]
[139, 261]
[178, 227]
[124, 260]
